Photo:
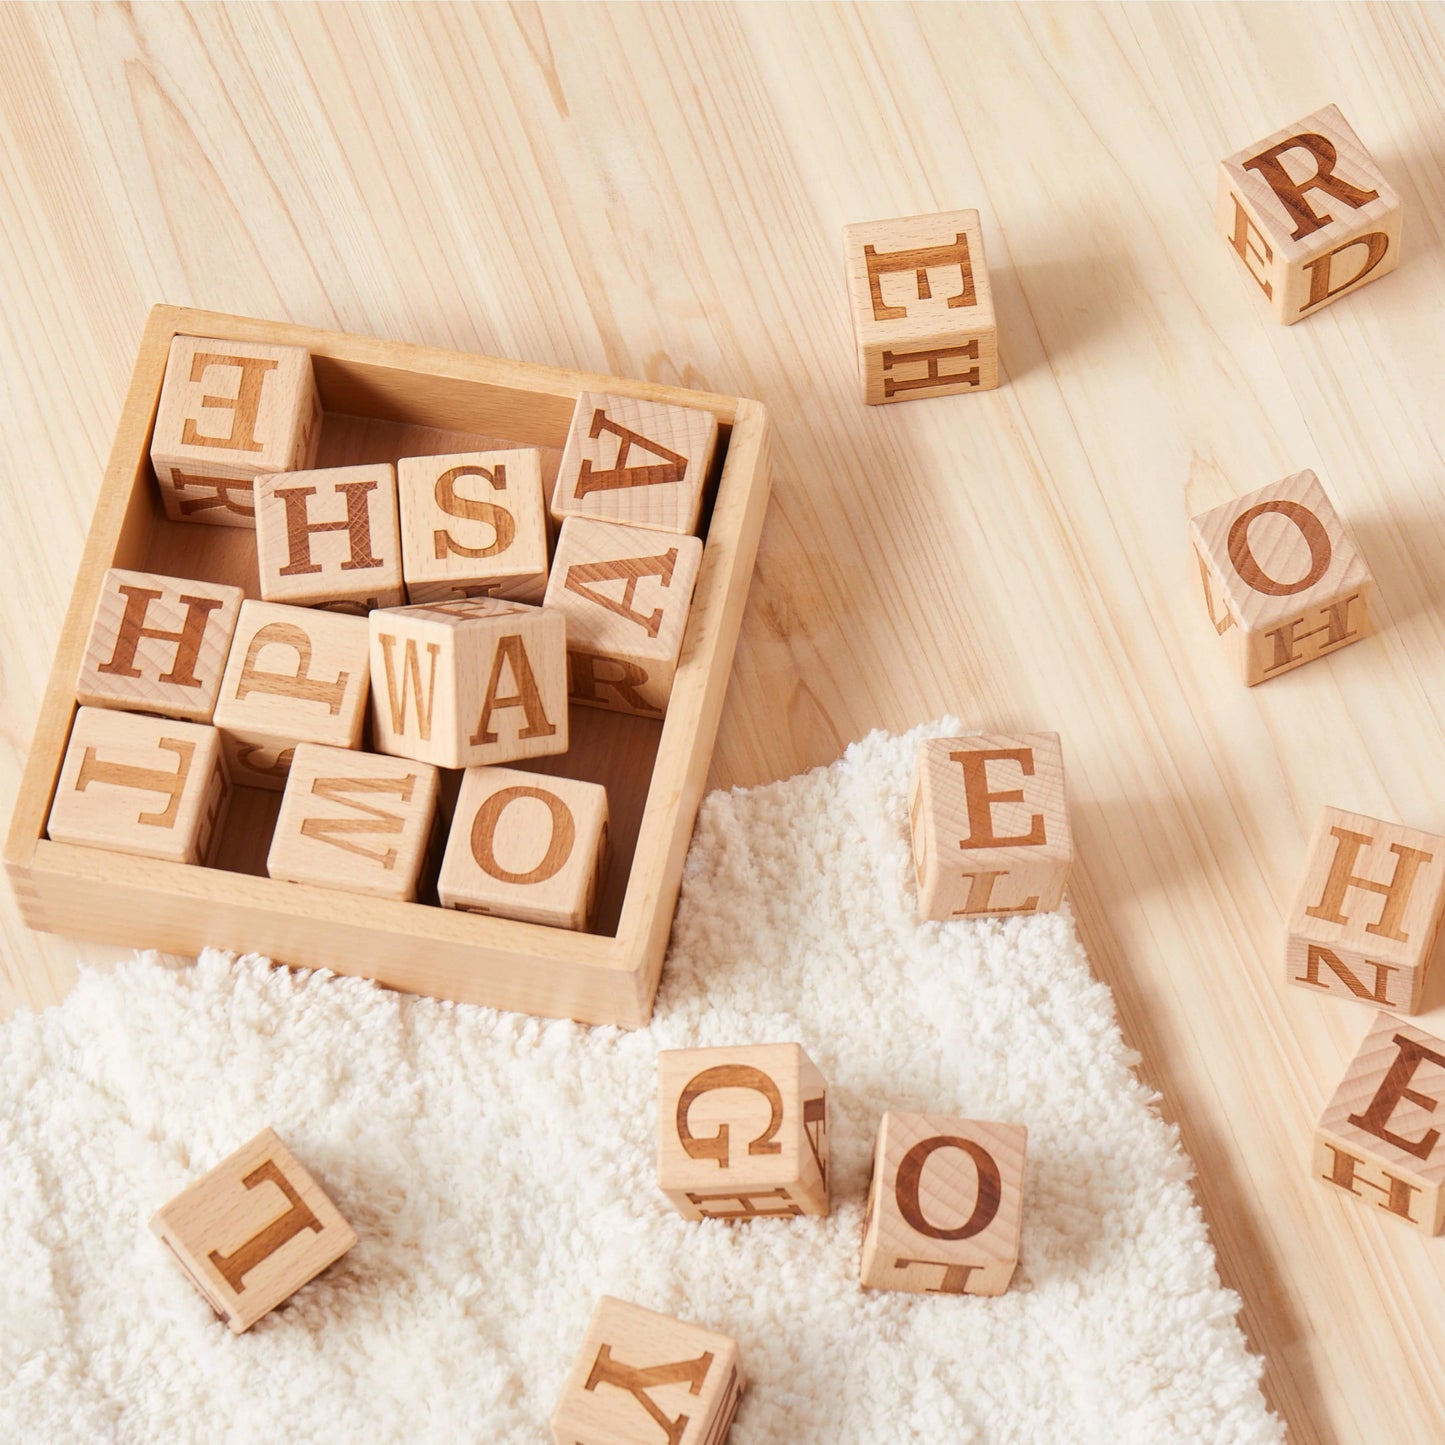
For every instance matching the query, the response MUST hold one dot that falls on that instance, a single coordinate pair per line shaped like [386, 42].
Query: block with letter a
[642, 463]
[922, 306]
[229, 412]
[1380, 1138]
[1309, 214]
[1367, 915]
[945, 1205]
[251, 1232]
[742, 1132]
[526, 845]
[642, 1377]
[990, 826]
[1281, 574]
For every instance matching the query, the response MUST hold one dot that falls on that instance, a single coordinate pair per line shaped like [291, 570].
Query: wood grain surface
[660, 192]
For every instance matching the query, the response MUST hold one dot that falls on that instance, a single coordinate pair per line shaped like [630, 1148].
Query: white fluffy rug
[499, 1173]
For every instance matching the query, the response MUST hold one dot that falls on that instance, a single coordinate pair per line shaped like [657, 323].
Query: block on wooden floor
[469, 683]
[229, 412]
[742, 1132]
[1280, 572]
[642, 1377]
[1379, 1139]
[642, 463]
[528, 846]
[990, 826]
[253, 1230]
[923, 318]
[1309, 214]
[330, 538]
[945, 1205]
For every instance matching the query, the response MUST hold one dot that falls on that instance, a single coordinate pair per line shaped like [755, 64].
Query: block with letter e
[1280, 572]
[922, 305]
[1380, 1138]
[742, 1132]
[253, 1230]
[642, 1377]
[1309, 214]
[945, 1205]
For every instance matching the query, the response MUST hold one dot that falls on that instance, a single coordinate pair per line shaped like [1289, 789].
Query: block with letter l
[1309, 214]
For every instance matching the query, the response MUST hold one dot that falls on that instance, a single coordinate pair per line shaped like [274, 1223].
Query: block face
[945, 1205]
[642, 463]
[923, 317]
[253, 1230]
[158, 645]
[626, 594]
[527, 846]
[990, 826]
[1309, 214]
[742, 1132]
[330, 538]
[474, 524]
[1379, 1138]
[642, 1377]
[231, 411]
[1279, 570]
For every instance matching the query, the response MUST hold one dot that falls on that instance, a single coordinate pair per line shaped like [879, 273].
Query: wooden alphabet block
[251, 1232]
[642, 463]
[990, 826]
[526, 845]
[229, 412]
[1368, 912]
[355, 821]
[158, 645]
[1309, 214]
[1278, 569]
[1379, 1139]
[625, 593]
[922, 306]
[742, 1132]
[643, 1377]
[330, 538]
[474, 524]
[945, 1206]
[469, 683]
[295, 675]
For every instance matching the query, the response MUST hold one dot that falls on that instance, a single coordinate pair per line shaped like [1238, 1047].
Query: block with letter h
[1279, 570]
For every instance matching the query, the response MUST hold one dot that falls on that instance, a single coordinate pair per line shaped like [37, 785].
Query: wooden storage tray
[382, 400]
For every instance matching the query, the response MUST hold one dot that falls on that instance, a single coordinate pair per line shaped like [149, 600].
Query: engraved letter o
[910, 1174]
[1310, 528]
[559, 846]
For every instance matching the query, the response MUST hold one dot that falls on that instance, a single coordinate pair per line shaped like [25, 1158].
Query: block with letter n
[1309, 214]
[1281, 574]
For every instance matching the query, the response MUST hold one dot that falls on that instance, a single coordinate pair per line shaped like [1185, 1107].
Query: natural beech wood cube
[1279, 570]
[295, 675]
[643, 1377]
[158, 644]
[742, 1132]
[474, 524]
[469, 683]
[625, 593]
[527, 846]
[642, 463]
[1368, 911]
[922, 306]
[1309, 214]
[251, 1232]
[945, 1205]
[142, 785]
[1380, 1137]
[354, 821]
[229, 412]
[330, 538]
[990, 826]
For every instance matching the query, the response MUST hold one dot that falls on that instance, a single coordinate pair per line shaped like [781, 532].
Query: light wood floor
[659, 192]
